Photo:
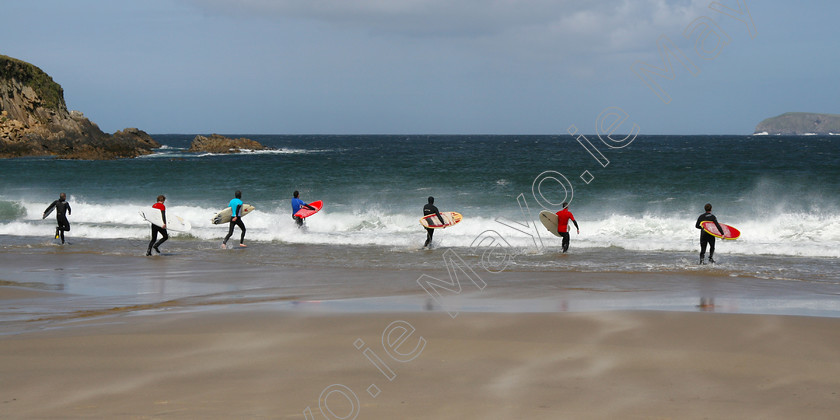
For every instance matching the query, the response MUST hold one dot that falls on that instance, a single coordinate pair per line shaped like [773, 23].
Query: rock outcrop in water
[220, 144]
[800, 123]
[34, 121]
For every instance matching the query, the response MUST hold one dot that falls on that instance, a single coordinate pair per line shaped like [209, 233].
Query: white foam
[178, 152]
[791, 234]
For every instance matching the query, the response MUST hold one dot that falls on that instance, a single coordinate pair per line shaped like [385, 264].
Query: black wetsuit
[239, 223]
[61, 207]
[155, 230]
[427, 210]
[705, 237]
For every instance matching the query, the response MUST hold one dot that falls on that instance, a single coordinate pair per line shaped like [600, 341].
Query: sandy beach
[274, 364]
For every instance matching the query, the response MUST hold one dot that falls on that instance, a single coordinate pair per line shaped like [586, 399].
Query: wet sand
[51, 284]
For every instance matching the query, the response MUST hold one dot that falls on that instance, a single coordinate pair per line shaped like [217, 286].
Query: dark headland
[34, 121]
[800, 123]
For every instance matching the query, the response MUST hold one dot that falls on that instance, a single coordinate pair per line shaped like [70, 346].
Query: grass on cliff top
[47, 89]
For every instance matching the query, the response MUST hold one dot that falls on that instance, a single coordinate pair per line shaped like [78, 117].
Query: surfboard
[173, 222]
[450, 218]
[550, 221]
[49, 212]
[729, 232]
[224, 216]
[305, 212]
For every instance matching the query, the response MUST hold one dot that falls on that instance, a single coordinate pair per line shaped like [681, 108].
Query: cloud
[606, 24]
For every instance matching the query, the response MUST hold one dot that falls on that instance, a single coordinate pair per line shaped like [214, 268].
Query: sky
[431, 66]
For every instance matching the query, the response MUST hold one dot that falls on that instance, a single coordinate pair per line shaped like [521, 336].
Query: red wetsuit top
[162, 209]
[563, 217]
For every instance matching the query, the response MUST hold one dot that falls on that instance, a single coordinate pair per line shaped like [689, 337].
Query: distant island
[34, 121]
[799, 124]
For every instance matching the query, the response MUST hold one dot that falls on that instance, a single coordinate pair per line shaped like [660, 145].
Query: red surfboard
[305, 212]
[729, 232]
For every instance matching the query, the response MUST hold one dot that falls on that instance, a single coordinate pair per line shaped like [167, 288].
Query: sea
[636, 202]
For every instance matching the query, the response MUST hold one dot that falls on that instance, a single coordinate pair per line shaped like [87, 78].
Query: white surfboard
[225, 215]
[450, 218]
[173, 222]
[550, 221]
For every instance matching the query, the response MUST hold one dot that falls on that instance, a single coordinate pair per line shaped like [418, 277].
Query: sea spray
[785, 234]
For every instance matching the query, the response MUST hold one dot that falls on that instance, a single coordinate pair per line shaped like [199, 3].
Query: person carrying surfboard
[61, 206]
[297, 203]
[563, 217]
[158, 229]
[705, 237]
[427, 210]
[236, 220]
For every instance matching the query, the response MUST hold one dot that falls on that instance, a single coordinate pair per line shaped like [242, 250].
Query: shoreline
[49, 283]
[47, 287]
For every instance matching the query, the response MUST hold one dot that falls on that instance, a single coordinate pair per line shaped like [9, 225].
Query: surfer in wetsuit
[427, 210]
[61, 206]
[158, 229]
[236, 220]
[563, 217]
[706, 237]
[297, 203]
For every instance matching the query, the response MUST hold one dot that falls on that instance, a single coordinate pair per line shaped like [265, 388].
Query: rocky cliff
[799, 123]
[34, 121]
[220, 144]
